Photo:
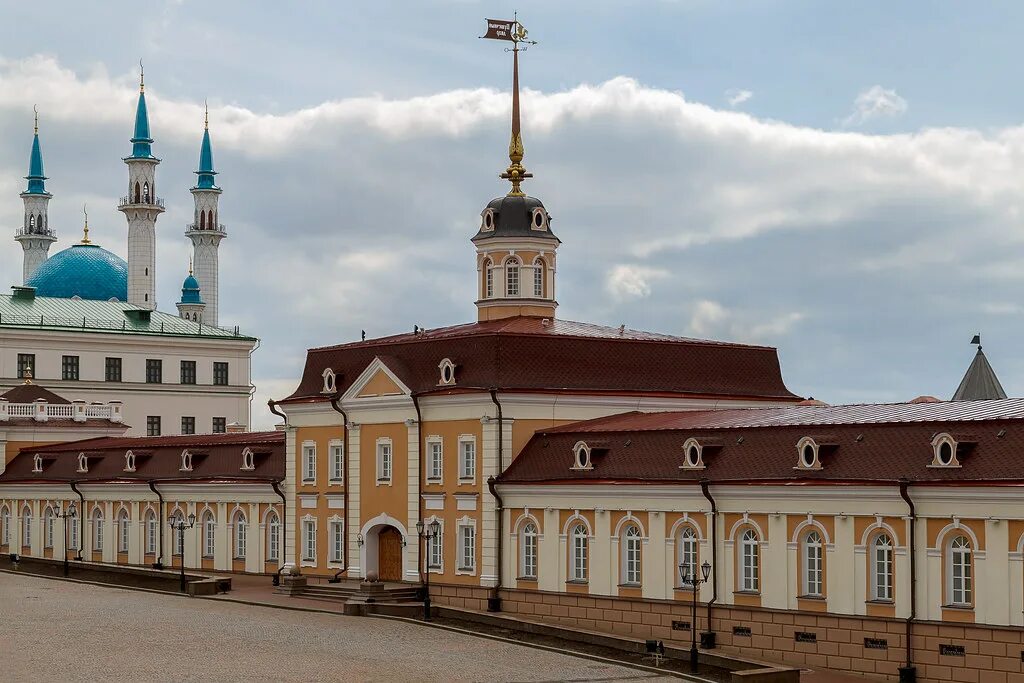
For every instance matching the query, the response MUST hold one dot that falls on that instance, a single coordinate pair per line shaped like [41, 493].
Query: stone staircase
[360, 599]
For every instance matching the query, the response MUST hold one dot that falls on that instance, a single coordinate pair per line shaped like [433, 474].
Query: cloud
[712, 320]
[629, 282]
[736, 97]
[875, 103]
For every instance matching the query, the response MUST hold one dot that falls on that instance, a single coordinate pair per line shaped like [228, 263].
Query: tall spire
[206, 172]
[36, 179]
[516, 173]
[141, 140]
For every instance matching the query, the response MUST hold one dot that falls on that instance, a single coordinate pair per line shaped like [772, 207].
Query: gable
[380, 384]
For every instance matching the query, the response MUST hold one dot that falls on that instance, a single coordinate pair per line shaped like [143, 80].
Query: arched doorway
[389, 554]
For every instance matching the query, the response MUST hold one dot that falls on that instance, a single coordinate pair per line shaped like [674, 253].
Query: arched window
[48, 527]
[26, 527]
[176, 540]
[631, 542]
[151, 533]
[512, 277]
[273, 536]
[97, 530]
[122, 532]
[881, 567]
[5, 526]
[750, 575]
[39, 223]
[578, 553]
[31, 222]
[202, 220]
[960, 583]
[138, 194]
[240, 532]
[209, 220]
[145, 193]
[538, 278]
[488, 278]
[528, 551]
[209, 531]
[814, 574]
[686, 548]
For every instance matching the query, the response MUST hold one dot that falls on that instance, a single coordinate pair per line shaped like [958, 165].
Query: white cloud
[874, 103]
[736, 96]
[711, 320]
[630, 282]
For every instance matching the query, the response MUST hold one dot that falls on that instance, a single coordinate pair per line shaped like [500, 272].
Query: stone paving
[54, 630]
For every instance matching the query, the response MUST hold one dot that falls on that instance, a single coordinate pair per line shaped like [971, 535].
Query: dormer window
[539, 220]
[37, 463]
[581, 457]
[944, 451]
[447, 368]
[693, 455]
[808, 454]
[487, 220]
[330, 382]
[186, 461]
[83, 462]
[129, 462]
[248, 460]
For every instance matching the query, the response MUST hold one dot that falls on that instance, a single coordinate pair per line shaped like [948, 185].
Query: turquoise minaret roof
[190, 290]
[206, 172]
[36, 179]
[141, 141]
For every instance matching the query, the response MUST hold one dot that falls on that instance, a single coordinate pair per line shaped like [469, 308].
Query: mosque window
[944, 451]
[138, 193]
[512, 277]
[31, 222]
[145, 193]
[202, 220]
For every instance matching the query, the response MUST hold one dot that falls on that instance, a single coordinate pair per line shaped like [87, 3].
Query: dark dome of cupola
[515, 216]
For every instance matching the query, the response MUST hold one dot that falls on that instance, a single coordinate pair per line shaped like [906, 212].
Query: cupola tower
[191, 306]
[206, 230]
[515, 246]
[141, 207]
[35, 234]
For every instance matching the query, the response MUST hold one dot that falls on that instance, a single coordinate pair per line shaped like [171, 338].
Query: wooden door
[389, 554]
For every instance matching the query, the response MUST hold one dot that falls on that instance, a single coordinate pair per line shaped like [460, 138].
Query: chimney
[235, 428]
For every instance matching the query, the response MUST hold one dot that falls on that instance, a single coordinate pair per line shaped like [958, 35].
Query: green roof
[26, 311]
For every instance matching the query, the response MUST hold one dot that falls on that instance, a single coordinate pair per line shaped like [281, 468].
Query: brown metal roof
[30, 393]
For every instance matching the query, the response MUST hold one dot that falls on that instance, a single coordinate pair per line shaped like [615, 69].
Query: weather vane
[515, 33]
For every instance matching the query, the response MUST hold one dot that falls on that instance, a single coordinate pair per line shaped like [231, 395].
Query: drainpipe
[284, 521]
[159, 564]
[335, 403]
[81, 521]
[707, 638]
[419, 495]
[908, 673]
[272, 404]
[494, 602]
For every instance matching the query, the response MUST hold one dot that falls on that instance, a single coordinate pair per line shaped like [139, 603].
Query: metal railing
[192, 227]
[129, 201]
[108, 325]
[35, 232]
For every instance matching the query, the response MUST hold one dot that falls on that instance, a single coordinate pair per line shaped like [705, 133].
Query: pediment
[377, 381]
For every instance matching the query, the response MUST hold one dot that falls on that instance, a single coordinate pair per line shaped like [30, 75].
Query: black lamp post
[694, 582]
[180, 525]
[433, 530]
[70, 513]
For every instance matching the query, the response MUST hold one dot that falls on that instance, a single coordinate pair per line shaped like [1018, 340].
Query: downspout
[494, 602]
[272, 404]
[335, 403]
[284, 521]
[81, 521]
[707, 638]
[159, 564]
[908, 673]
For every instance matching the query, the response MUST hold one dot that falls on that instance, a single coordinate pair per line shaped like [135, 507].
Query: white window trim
[381, 480]
[273, 556]
[689, 463]
[581, 457]
[430, 441]
[335, 522]
[83, 463]
[523, 573]
[624, 560]
[807, 568]
[694, 537]
[463, 478]
[26, 527]
[239, 516]
[124, 531]
[571, 548]
[308, 448]
[306, 561]
[208, 537]
[969, 585]
[446, 366]
[186, 461]
[37, 464]
[873, 565]
[460, 524]
[150, 533]
[248, 460]
[937, 443]
[331, 446]
[439, 569]
[742, 585]
[330, 382]
[801, 445]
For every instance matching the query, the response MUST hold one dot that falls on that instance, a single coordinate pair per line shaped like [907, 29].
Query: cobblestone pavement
[53, 630]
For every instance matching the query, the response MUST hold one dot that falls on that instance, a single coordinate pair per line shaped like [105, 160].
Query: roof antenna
[364, 335]
[976, 340]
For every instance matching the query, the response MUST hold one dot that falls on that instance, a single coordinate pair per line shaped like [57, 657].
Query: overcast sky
[842, 182]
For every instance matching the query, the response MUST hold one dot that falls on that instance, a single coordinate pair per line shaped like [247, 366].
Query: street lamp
[694, 581]
[180, 525]
[432, 532]
[70, 513]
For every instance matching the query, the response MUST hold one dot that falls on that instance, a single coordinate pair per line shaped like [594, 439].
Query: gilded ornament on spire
[36, 110]
[142, 77]
[85, 230]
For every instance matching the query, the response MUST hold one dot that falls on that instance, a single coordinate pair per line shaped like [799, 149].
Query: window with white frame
[248, 460]
[26, 527]
[467, 457]
[5, 526]
[336, 460]
[958, 569]
[308, 463]
[750, 577]
[97, 530]
[631, 543]
[73, 533]
[309, 540]
[435, 459]
[814, 572]
[337, 543]
[186, 461]
[151, 533]
[241, 531]
[538, 278]
[122, 532]
[37, 463]
[209, 534]
[467, 547]
[48, 527]
[488, 279]
[881, 567]
[176, 536]
[384, 460]
[273, 537]
[528, 551]
[578, 553]
[687, 551]
[435, 548]
[512, 277]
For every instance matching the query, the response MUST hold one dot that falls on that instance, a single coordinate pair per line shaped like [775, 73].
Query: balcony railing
[77, 411]
[111, 325]
[129, 201]
[35, 232]
[192, 227]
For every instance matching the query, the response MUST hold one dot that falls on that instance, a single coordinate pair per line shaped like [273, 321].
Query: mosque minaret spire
[206, 230]
[141, 208]
[35, 234]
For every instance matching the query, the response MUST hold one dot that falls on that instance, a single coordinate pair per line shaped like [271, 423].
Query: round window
[807, 455]
[945, 453]
[488, 220]
[446, 374]
[693, 456]
[538, 219]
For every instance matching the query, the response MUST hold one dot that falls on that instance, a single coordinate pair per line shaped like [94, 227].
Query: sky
[842, 182]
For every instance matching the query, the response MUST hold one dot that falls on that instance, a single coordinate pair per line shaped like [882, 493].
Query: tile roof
[871, 443]
[30, 393]
[529, 353]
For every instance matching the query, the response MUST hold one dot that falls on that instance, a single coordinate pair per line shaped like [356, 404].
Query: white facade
[206, 232]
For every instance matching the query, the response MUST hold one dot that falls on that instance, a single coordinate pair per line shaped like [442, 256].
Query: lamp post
[180, 525]
[70, 513]
[694, 581]
[429, 535]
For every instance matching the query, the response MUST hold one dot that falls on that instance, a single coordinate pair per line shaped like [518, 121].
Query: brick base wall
[873, 647]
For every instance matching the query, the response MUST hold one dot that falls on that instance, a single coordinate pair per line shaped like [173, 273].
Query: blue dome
[83, 270]
[190, 291]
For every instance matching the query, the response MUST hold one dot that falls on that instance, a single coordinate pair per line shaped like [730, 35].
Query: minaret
[515, 246]
[206, 231]
[191, 306]
[35, 234]
[141, 207]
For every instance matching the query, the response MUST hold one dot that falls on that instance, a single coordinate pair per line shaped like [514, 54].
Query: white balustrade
[79, 411]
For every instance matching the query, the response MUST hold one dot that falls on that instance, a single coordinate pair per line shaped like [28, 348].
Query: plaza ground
[55, 630]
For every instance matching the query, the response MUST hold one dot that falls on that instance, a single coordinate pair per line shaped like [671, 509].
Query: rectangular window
[220, 374]
[209, 539]
[69, 367]
[48, 536]
[188, 425]
[435, 547]
[122, 542]
[309, 540]
[384, 461]
[26, 365]
[74, 533]
[337, 541]
[112, 369]
[467, 459]
[240, 532]
[151, 534]
[273, 539]
[337, 461]
[220, 425]
[435, 457]
[467, 548]
[188, 372]
[154, 371]
[153, 425]
[308, 463]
